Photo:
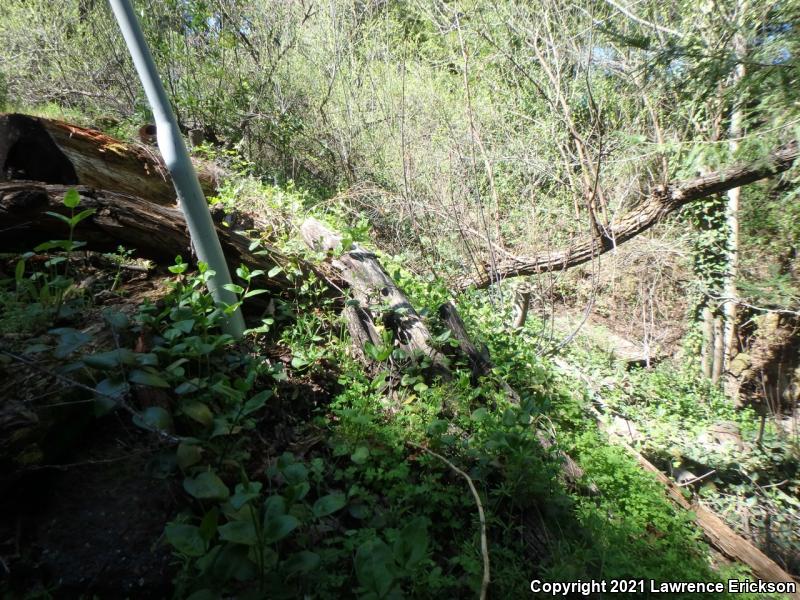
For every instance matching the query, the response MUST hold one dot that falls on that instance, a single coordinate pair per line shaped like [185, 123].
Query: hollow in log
[56, 152]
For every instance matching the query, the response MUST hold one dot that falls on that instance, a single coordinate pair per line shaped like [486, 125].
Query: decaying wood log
[157, 232]
[662, 201]
[479, 361]
[376, 294]
[55, 152]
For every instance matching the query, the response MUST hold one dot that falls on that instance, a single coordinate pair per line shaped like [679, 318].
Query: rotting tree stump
[375, 293]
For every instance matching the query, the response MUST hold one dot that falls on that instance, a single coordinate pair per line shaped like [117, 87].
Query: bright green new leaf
[71, 198]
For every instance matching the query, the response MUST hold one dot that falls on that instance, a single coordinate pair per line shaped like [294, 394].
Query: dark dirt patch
[91, 526]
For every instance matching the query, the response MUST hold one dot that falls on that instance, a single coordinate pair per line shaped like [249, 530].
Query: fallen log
[717, 533]
[375, 294]
[55, 152]
[662, 201]
[156, 232]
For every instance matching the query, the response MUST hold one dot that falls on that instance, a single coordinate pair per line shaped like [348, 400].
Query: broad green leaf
[189, 454]
[147, 359]
[198, 412]
[116, 318]
[298, 362]
[328, 505]
[278, 527]
[19, 270]
[58, 216]
[274, 505]
[295, 493]
[71, 198]
[239, 532]
[109, 391]
[360, 456]
[206, 486]
[274, 271]
[111, 359]
[412, 543]
[75, 219]
[208, 526]
[479, 414]
[52, 245]
[155, 418]
[301, 562]
[244, 493]
[185, 325]
[190, 386]
[69, 340]
[256, 402]
[232, 287]
[295, 473]
[186, 539]
[373, 564]
[142, 377]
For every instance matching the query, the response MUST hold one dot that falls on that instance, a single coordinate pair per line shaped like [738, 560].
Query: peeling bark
[376, 294]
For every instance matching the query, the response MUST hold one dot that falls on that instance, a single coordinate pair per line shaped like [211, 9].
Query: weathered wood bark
[50, 151]
[478, 359]
[662, 201]
[375, 293]
[522, 302]
[155, 231]
[719, 349]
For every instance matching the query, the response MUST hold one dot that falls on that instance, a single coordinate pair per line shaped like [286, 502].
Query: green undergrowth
[679, 419]
[302, 474]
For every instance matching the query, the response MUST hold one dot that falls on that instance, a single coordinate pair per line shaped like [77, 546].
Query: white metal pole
[173, 150]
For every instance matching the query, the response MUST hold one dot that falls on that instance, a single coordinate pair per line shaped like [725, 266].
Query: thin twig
[86, 463]
[481, 516]
[627, 12]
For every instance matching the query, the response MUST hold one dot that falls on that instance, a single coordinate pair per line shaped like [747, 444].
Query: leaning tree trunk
[50, 151]
[661, 201]
[157, 232]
